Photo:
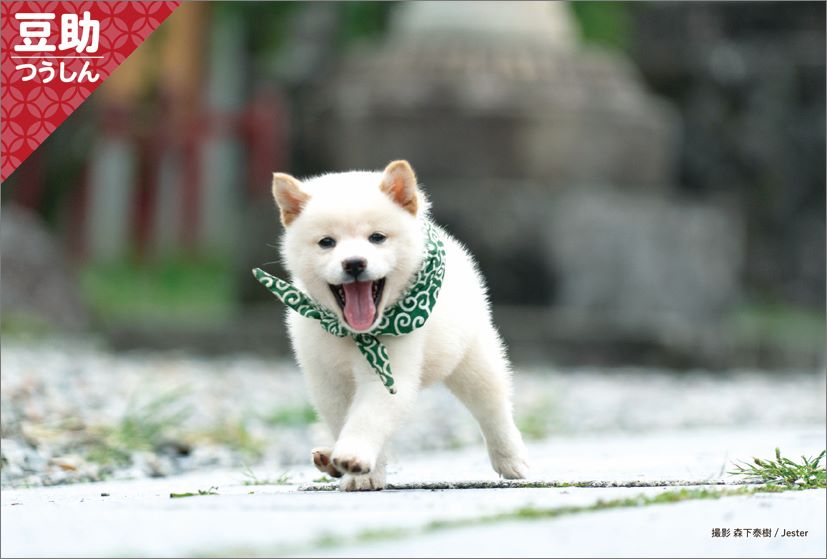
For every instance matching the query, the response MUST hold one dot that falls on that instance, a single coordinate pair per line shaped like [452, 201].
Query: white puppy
[354, 242]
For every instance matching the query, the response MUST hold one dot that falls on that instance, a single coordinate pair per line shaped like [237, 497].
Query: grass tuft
[782, 471]
[143, 427]
[253, 479]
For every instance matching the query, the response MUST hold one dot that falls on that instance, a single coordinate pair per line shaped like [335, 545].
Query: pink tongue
[359, 308]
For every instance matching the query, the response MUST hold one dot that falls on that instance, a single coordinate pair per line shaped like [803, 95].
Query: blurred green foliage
[267, 24]
[302, 414]
[362, 20]
[176, 289]
[537, 421]
[145, 425]
[23, 325]
[608, 24]
[234, 433]
[778, 323]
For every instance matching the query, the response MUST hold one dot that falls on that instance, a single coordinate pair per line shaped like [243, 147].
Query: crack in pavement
[530, 484]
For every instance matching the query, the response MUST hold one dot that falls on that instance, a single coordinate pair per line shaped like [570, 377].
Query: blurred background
[643, 185]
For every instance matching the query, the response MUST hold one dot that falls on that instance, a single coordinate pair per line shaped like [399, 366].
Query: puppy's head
[353, 240]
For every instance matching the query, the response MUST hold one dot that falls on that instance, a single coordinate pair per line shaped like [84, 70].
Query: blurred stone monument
[549, 159]
[489, 90]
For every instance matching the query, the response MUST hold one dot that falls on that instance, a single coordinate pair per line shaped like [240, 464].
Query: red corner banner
[55, 54]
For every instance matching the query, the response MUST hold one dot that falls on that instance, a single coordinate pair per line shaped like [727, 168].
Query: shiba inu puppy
[401, 305]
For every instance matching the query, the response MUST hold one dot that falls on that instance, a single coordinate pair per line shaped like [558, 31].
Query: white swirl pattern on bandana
[403, 317]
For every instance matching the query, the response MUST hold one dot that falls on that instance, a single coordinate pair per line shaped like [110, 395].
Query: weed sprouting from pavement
[253, 479]
[785, 472]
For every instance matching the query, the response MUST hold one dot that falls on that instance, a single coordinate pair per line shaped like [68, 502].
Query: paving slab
[796, 521]
[139, 518]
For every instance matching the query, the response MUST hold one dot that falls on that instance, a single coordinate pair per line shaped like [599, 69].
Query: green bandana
[403, 317]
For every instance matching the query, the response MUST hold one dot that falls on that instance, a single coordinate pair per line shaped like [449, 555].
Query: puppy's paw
[352, 458]
[321, 459]
[512, 466]
[370, 482]
[351, 464]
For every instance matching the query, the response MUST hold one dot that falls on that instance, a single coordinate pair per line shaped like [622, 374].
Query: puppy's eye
[377, 238]
[327, 242]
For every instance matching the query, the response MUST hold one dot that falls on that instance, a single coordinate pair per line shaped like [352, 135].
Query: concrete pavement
[138, 518]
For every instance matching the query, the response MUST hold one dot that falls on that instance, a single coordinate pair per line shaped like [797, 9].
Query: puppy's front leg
[374, 415]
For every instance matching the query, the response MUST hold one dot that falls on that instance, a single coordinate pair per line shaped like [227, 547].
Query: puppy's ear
[399, 182]
[289, 197]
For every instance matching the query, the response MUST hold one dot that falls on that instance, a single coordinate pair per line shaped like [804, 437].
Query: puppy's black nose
[354, 266]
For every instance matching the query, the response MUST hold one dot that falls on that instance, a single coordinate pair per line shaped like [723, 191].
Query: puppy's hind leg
[482, 382]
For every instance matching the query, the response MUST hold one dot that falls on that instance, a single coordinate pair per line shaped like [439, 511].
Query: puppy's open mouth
[359, 301]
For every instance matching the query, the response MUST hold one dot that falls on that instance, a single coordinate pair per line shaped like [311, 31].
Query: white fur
[458, 345]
